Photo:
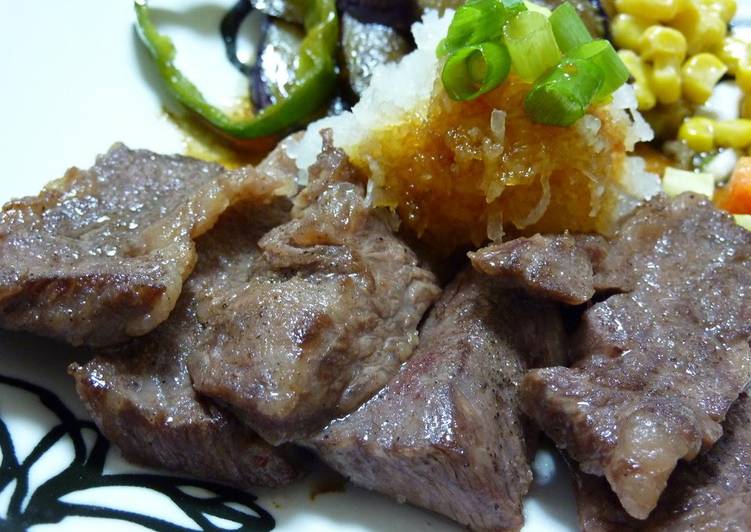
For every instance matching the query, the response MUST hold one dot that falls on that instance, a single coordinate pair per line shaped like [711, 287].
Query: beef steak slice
[100, 255]
[565, 268]
[325, 319]
[657, 366]
[140, 393]
[711, 493]
[446, 433]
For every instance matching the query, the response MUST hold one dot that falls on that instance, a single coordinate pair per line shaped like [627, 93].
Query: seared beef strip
[446, 433]
[141, 396]
[557, 267]
[658, 366]
[279, 168]
[711, 493]
[100, 255]
[325, 318]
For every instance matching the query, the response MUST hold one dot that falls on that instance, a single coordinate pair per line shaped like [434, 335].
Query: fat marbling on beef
[141, 395]
[446, 434]
[328, 314]
[658, 365]
[100, 255]
[712, 493]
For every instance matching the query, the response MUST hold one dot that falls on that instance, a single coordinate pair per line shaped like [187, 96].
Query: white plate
[74, 80]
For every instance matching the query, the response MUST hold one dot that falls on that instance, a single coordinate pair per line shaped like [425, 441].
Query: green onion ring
[568, 28]
[531, 44]
[563, 96]
[602, 54]
[475, 70]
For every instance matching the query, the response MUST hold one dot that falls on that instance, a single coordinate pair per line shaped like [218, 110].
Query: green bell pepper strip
[315, 75]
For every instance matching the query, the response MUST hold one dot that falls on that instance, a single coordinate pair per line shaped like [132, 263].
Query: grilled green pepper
[315, 75]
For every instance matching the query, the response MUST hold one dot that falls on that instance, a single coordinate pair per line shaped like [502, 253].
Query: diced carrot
[736, 196]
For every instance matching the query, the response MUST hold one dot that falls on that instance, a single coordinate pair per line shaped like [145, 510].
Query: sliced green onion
[475, 22]
[514, 6]
[602, 54]
[562, 97]
[475, 70]
[568, 28]
[537, 7]
[532, 45]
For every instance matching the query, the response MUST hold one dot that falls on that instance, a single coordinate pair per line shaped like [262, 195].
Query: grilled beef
[141, 396]
[657, 366]
[100, 255]
[327, 315]
[711, 493]
[446, 433]
[558, 267]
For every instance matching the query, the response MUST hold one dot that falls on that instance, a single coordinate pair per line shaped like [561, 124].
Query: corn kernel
[743, 75]
[627, 30]
[651, 9]
[700, 73]
[732, 51]
[702, 27]
[661, 41]
[698, 133]
[746, 107]
[724, 8]
[665, 80]
[641, 73]
[733, 133]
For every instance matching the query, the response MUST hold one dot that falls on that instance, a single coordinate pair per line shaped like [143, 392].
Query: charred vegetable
[313, 85]
[367, 45]
[396, 14]
[273, 76]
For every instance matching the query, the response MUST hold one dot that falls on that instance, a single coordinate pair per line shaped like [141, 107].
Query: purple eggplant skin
[396, 14]
[364, 47]
[273, 72]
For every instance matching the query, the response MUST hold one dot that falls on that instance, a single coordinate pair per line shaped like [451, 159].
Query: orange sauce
[450, 176]
[203, 142]
[654, 160]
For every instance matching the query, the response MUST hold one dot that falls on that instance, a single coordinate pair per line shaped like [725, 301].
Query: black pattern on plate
[85, 471]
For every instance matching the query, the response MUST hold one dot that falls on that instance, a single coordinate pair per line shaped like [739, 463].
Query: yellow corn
[746, 107]
[743, 75]
[733, 51]
[641, 73]
[627, 30]
[733, 133]
[651, 9]
[665, 80]
[725, 8]
[660, 41]
[698, 133]
[702, 27]
[700, 73]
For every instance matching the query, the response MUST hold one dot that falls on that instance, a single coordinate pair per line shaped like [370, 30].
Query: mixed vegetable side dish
[468, 237]
[688, 68]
